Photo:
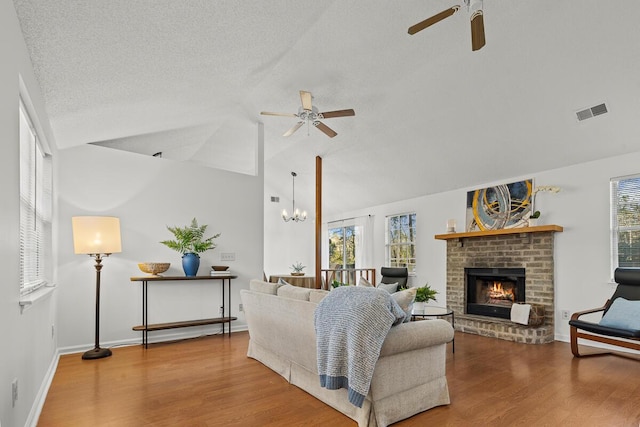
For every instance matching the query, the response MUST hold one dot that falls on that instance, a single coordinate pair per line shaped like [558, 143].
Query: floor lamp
[96, 236]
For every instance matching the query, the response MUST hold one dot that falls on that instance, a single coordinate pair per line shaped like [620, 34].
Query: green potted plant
[190, 242]
[423, 295]
[297, 269]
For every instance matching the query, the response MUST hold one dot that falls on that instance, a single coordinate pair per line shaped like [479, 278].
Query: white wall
[289, 242]
[582, 251]
[28, 348]
[147, 194]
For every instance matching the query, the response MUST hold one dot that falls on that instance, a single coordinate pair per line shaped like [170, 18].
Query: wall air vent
[591, 112]
[275, 199]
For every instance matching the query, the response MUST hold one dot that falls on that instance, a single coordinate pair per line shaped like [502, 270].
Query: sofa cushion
[389, 287]
[281, 281]
[623, 314]
[294, 292]
[316, 295]
[405, 300]
[264, 287]
[364, 282]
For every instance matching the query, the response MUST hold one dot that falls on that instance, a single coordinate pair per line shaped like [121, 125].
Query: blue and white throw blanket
[351, 324]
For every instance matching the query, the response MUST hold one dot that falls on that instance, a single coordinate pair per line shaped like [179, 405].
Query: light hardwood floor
[210, 382]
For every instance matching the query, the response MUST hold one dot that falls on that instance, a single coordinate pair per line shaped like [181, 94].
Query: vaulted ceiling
[190, 78]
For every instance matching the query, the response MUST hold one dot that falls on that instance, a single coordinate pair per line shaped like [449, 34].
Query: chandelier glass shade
[297, 216]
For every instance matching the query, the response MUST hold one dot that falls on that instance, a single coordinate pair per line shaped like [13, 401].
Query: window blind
[35, 208]
[625, 222]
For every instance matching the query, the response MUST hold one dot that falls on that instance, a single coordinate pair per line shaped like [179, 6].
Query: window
[35, 208]
[625, 222]
[342, 246]
[401, 241]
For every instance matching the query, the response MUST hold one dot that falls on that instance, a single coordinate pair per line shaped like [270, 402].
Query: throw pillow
[364, 282]
[294, 292]
[264, 287]
[389, 287]
[405, 300]
[283, 282]
[623, 314]
[316, 295]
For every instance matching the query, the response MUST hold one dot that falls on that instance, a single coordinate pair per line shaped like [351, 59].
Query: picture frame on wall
[500, 206]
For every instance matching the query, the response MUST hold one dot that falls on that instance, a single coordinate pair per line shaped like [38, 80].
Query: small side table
[430, 311]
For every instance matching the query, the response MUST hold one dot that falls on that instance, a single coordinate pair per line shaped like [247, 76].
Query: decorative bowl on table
[154, 268]
[220, 267]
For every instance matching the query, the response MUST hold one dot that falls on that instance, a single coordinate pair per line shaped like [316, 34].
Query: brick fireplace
[529, 248]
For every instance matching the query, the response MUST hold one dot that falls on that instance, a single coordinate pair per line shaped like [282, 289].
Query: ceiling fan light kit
[310, 115]
[474, 7]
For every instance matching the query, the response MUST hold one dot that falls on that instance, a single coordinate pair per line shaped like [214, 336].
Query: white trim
[27, 300]
[41, 397]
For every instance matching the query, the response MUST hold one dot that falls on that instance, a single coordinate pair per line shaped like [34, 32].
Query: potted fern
[297, 269]
[190, 242]
[423, 295]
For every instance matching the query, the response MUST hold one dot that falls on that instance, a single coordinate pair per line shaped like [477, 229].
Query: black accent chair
[628, 280]
[398, 275]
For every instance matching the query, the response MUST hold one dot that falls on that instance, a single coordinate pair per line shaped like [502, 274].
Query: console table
[145, 328]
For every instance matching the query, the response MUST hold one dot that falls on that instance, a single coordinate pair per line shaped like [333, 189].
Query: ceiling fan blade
[325, 129]
[268, 113]
[293, 129]
[305, 97]
[433, 20]
[477, 31]
[338, 113]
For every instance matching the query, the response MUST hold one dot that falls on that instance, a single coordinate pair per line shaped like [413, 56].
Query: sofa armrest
[414, 335]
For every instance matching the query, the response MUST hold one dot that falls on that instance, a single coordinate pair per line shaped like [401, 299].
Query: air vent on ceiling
[591, 112]
[275, 199]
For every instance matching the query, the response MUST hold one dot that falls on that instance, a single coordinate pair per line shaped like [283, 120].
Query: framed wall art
[500, 206]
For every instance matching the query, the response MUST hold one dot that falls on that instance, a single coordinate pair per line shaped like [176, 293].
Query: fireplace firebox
[492, 291]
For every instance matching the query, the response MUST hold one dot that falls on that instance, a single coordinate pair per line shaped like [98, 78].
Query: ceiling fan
[309, 114]
[477, 22]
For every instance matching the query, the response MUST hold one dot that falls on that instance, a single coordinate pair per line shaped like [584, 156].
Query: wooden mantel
[521, 230]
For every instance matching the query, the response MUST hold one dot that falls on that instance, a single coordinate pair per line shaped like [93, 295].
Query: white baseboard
[36, 408]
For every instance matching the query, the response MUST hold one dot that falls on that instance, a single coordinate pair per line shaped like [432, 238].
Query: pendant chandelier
[297, 216]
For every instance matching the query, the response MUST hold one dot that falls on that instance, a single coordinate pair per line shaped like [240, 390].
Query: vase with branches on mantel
[535, 215]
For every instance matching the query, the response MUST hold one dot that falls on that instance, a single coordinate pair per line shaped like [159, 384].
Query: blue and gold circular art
[501, 206]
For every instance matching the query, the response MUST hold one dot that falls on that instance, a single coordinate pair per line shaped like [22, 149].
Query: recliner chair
[628, 280]
[398, 275]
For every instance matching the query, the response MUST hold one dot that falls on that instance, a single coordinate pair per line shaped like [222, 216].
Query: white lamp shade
[96, 234]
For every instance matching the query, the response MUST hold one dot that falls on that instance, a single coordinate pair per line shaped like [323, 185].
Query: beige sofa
[409, 376]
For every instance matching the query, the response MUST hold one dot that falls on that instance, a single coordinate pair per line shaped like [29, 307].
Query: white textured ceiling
[189, 78]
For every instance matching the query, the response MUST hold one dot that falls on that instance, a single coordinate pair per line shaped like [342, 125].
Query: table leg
[453, 324]
[145, 332]
[229, 297]
[223, 306]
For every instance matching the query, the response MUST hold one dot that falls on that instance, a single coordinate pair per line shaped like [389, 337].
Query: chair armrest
[577, 314]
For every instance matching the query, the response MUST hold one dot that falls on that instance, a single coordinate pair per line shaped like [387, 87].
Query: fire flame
[498, 292]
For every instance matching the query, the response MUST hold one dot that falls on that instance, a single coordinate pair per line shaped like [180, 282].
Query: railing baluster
[348, 276]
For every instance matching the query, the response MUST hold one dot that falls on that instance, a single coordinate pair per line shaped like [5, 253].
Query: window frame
[615, 227]
[343, 225]
[411, 267]
[36, 205]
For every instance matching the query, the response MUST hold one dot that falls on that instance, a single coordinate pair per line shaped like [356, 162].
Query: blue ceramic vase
[190, 264]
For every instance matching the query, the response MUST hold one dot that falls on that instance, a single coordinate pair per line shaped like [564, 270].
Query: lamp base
[96, 353]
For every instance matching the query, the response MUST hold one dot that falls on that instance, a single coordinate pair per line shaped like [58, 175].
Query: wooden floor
[210, 382]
